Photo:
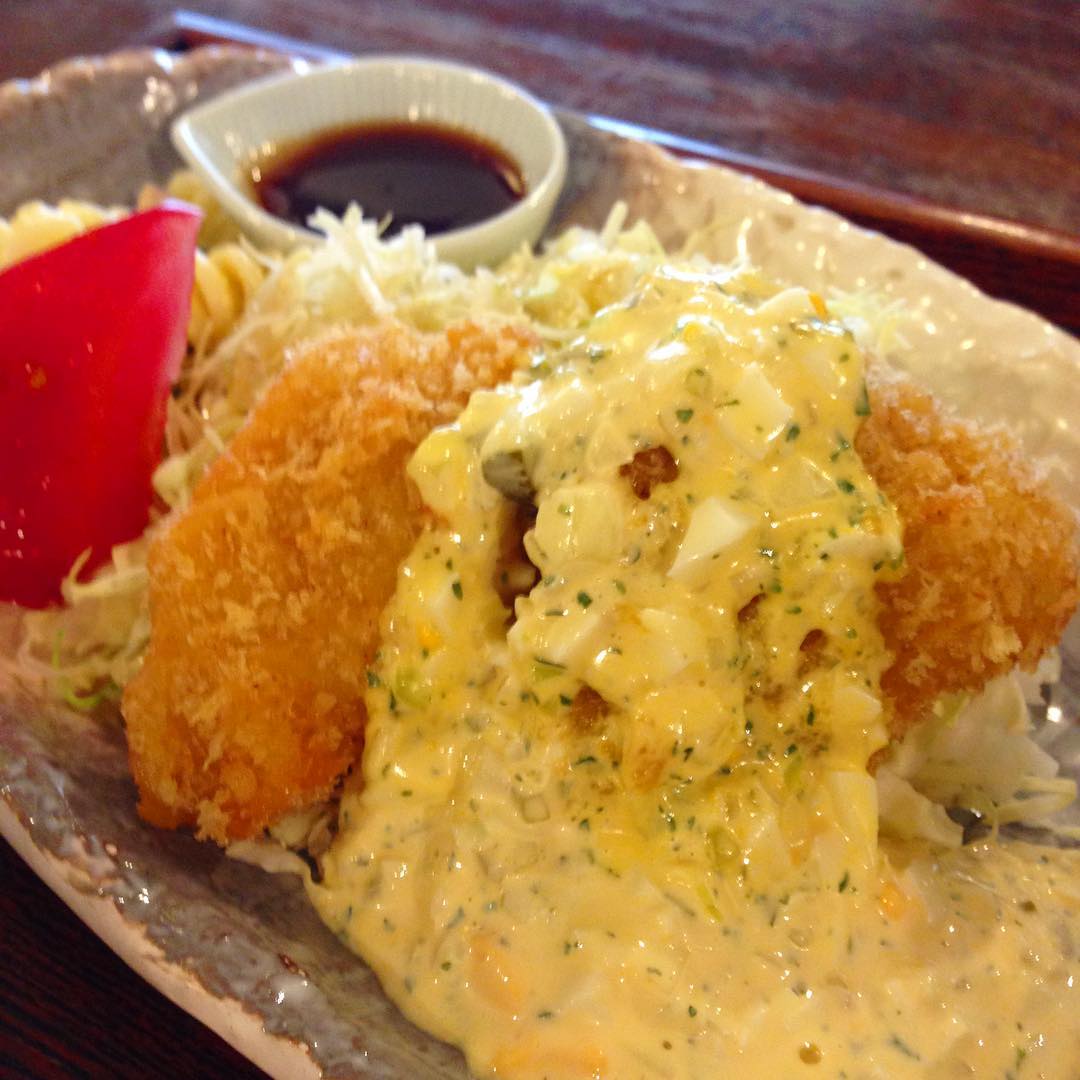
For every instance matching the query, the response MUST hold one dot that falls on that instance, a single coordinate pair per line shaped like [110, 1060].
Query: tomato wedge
[92, 334]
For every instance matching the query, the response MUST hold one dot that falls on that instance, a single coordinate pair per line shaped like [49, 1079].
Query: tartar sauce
[621, 824]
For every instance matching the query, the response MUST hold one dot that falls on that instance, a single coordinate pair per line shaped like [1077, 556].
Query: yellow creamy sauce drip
[685, 877]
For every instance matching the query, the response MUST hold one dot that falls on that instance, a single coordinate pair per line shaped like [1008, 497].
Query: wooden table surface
[972, 104]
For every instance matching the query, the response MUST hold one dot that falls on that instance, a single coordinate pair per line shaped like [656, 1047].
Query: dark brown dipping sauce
[435, 176]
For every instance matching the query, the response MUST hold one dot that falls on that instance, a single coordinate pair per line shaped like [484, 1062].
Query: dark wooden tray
[1036, 267]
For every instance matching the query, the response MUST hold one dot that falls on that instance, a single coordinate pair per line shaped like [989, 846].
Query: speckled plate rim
[951, 303]
[225, 1016]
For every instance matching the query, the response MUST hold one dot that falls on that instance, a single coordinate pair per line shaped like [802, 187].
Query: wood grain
[971, 104]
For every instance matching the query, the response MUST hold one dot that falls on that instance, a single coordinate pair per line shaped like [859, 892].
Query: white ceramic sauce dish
[227, 137]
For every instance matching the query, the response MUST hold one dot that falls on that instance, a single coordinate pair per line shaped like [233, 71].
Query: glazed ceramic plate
[238, 948]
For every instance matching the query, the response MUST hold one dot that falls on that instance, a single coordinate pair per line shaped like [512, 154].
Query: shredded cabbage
[975, 754]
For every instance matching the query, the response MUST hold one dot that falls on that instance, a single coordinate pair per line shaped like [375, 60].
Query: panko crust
[991, 554]
[265, 594]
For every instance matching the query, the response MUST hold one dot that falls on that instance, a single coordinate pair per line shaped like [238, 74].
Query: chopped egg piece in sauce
[615, 817]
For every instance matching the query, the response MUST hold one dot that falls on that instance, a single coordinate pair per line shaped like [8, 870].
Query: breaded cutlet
[265, 593]
[990, 552]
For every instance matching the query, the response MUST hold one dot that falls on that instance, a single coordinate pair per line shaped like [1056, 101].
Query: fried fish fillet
[991, 554]
[266, 593]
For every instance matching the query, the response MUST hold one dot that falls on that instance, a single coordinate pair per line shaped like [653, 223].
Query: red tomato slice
[92, 334]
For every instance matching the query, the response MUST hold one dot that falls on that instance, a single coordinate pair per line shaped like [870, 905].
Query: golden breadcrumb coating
[991, 555]
[266, 593]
